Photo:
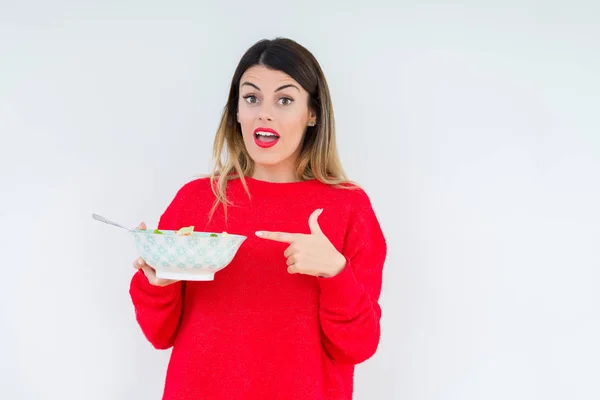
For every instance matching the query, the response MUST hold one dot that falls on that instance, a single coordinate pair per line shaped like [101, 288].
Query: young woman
[297, 308]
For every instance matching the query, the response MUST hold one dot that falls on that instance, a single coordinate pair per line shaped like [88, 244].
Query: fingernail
[140, 261]
[258, 233]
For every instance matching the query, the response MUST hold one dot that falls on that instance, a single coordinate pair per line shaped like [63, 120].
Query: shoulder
[363, 228]
[359, 208]
[192, 192]
[194, 187]
[189, 197]
[351, 195]
[196, 183]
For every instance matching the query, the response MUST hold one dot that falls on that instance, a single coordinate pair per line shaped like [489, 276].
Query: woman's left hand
[309, 254]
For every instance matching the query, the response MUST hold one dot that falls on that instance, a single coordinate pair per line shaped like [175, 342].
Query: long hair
[318, 158]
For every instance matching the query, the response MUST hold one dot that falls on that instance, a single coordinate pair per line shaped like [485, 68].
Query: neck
[274, 173]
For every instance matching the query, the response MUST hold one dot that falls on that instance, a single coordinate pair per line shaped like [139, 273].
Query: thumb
[313, 222]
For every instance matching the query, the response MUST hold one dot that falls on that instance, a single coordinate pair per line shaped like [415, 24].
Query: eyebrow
[277, 90]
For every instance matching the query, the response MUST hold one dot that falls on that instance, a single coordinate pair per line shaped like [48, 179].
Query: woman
[297, 308]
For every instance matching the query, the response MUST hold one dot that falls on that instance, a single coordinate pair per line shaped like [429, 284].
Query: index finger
[276, 236]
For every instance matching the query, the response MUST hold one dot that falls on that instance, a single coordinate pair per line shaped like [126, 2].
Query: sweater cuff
[341, 288]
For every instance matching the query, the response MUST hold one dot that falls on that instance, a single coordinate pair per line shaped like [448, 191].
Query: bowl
[196, 256]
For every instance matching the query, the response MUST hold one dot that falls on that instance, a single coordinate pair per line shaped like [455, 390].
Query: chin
[269, 157]
[266, 160]
[278, 154]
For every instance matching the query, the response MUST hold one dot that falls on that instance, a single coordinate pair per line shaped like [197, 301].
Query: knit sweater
[257, 332]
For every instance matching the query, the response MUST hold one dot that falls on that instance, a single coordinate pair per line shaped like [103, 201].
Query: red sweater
[257, 332]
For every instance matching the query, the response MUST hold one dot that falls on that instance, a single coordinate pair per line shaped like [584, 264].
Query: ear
[312, 118]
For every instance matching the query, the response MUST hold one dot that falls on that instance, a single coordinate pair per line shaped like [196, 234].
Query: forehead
[263, 76]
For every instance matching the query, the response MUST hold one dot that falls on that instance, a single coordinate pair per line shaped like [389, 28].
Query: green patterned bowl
[188, 258]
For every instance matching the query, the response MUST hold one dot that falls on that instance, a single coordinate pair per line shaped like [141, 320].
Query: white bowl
[188, 258]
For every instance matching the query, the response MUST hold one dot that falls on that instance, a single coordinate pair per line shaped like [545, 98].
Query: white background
[473, 126]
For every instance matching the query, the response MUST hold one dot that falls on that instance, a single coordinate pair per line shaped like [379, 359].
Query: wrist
[338, 266]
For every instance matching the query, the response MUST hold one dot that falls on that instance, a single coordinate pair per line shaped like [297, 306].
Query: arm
[349, 309]
[158, 309]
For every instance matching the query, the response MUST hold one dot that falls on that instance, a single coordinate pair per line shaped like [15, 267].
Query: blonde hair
[318, 158]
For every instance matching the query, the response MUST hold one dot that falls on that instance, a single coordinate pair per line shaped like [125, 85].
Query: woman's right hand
[150, 273]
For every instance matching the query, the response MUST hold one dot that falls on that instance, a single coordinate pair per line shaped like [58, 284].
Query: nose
[265, 113]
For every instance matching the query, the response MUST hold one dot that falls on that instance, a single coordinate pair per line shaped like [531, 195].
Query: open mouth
[266, 137]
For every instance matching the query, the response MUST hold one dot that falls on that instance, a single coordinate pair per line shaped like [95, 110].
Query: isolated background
[473, 126]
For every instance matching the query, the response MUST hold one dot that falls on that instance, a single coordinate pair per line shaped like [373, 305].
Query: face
[273, 113]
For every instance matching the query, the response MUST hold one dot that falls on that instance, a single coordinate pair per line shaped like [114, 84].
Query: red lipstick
[266, 137]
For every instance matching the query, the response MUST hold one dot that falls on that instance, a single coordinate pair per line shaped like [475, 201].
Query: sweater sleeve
[349, 309]
[158, 309]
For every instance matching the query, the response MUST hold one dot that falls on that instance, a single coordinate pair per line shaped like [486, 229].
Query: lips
[266, 137]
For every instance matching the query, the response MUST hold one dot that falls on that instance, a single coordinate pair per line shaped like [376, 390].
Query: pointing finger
[276, 236]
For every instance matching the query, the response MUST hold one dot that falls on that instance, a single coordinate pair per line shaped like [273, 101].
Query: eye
[285, 101]
[251, 99]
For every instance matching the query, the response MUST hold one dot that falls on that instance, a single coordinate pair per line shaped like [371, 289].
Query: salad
[187, 231]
